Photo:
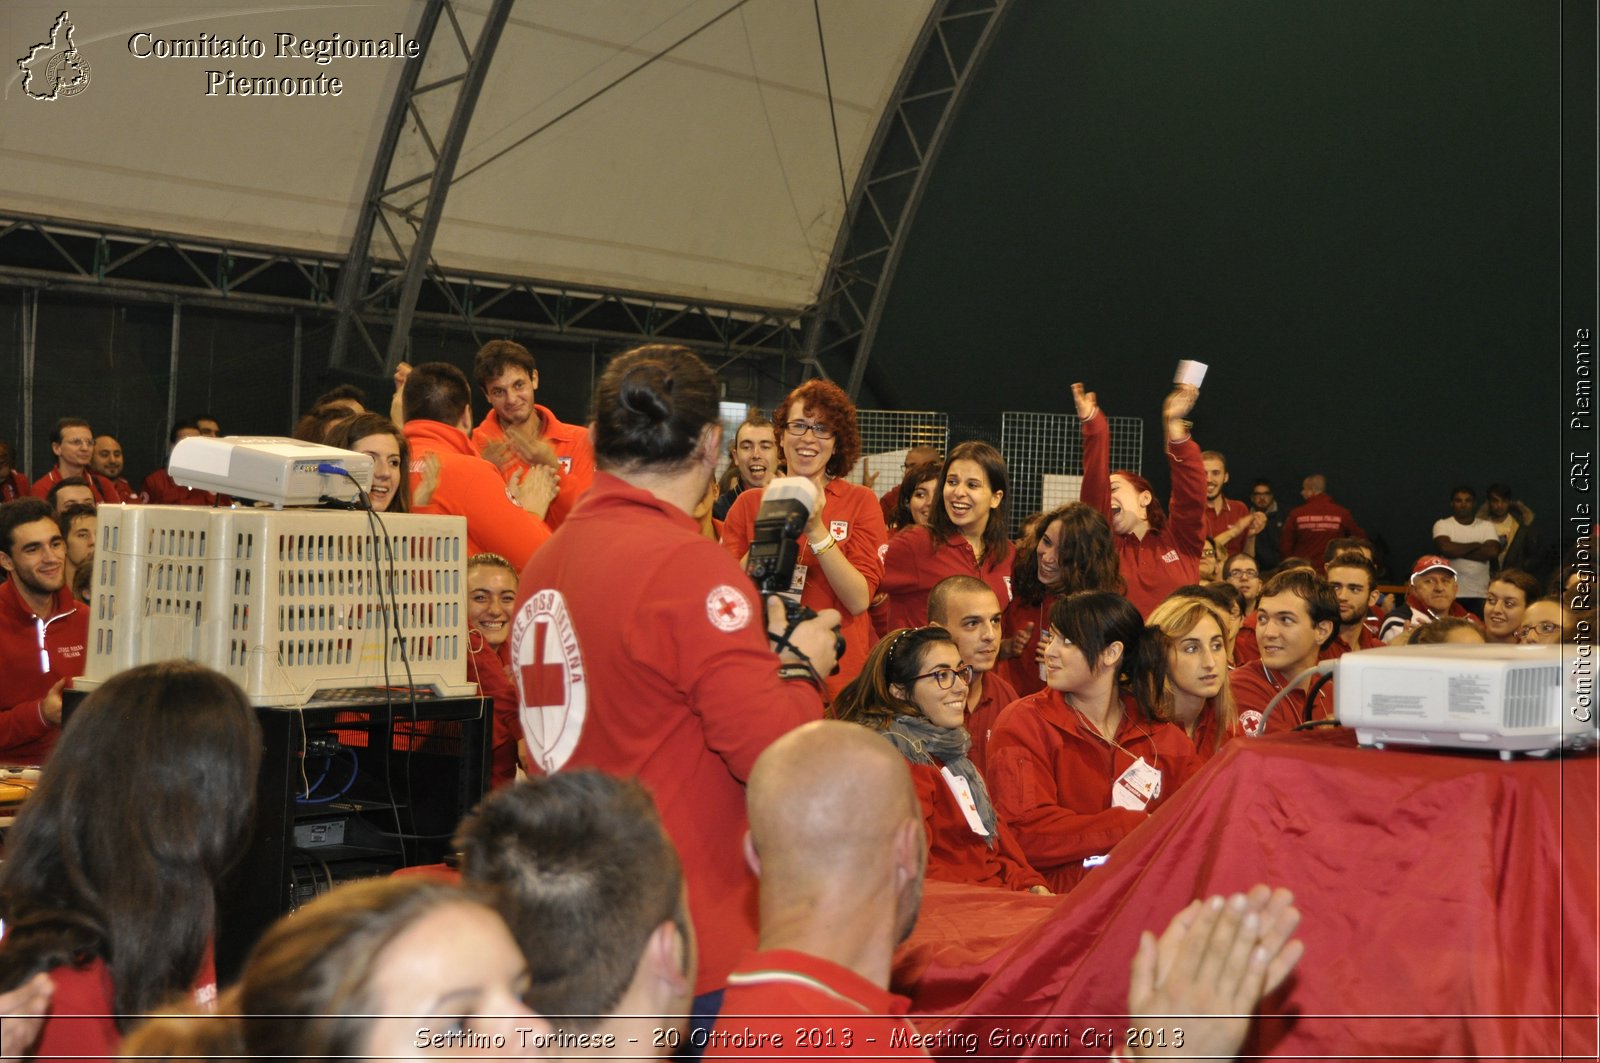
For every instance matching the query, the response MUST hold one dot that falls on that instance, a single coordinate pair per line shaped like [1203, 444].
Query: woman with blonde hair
[1196, 695]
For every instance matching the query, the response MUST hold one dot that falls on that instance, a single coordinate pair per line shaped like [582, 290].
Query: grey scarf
[923, 742]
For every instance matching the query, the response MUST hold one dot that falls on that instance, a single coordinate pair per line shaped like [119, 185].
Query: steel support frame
[934, 82]
[407, 206]
[41, 254]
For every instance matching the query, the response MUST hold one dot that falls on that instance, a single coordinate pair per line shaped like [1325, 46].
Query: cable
[1323, 668]
[388, 617]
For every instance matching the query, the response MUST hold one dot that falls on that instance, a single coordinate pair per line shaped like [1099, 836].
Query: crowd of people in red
[1038, 697]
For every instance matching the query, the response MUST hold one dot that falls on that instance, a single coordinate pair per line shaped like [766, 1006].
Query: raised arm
[1187, 507]
[1096, 490]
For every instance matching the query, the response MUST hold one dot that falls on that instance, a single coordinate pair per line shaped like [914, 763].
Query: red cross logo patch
[552, 692]
[727, 609]
[1250, 722]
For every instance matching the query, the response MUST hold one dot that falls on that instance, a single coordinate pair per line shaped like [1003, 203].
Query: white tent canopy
[706, 170]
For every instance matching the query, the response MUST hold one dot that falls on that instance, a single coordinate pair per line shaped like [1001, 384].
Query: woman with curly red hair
[840, 564]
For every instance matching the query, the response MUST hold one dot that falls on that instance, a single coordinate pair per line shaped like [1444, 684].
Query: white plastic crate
[283, 602]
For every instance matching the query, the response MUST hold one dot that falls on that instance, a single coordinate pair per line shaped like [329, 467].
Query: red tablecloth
[1451, 909]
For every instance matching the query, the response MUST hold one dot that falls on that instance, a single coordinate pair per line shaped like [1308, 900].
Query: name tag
[969, 807]
[798, 584]
[1136, 787]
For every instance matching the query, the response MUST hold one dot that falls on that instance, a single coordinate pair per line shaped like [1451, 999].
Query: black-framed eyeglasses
[1543, 627]
[800, 428]
[945, 678]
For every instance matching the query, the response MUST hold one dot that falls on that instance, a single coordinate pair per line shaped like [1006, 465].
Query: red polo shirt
[1255, 684]
[782, 1004]
[573, 450]
[851, 515]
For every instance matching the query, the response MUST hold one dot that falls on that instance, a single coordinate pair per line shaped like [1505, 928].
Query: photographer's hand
[813, 637]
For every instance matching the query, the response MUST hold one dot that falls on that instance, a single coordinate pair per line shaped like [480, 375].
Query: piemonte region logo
[55, 69]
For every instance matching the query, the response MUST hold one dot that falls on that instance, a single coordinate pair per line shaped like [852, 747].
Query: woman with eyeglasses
[913, 690]
[968, 536]
[1078, 765]
[839, 566]
[1547, 622]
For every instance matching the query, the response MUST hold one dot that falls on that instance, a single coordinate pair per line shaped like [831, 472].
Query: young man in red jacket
[503, 517]
[969, 609]
[518, 426]
[43, 631]
[73, 445]
[1296, 619]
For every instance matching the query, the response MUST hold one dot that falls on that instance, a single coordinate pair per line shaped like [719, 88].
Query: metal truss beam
[893, 176]
[400, 214]
[143, 266]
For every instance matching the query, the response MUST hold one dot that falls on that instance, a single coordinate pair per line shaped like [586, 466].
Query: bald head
[1315, 484]
[836, 835]
[823, 790]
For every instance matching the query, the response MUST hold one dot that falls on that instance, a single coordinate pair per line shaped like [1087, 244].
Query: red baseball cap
[1429, 562]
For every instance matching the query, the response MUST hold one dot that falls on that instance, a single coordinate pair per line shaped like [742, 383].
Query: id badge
[1136, 787]
[797, 585]
[969, 807]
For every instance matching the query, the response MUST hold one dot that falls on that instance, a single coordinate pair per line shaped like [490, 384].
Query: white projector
[1510, 699]
[280, 472]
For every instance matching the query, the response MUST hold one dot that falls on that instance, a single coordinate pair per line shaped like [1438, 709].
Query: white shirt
[1472, 577]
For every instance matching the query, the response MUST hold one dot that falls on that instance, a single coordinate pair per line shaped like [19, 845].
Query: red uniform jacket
[782, 1004]
[1051, 776]
[958, 854]
[1311, 526]
[99, 486]
[1245, 646]
[912, 567]
[82, 1023]
[1255, 684]
[162, 490]
[1367, 640]
[852, 517]
[472, 488]
[487, 668]
[14, 486]
[1206, 726]
[889, 503]
[995, 696]
[639, 648]
[126, 493]
[1233, 511]
[34, 653]
[1022, 671]
[1163, 561]
[573, 450]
